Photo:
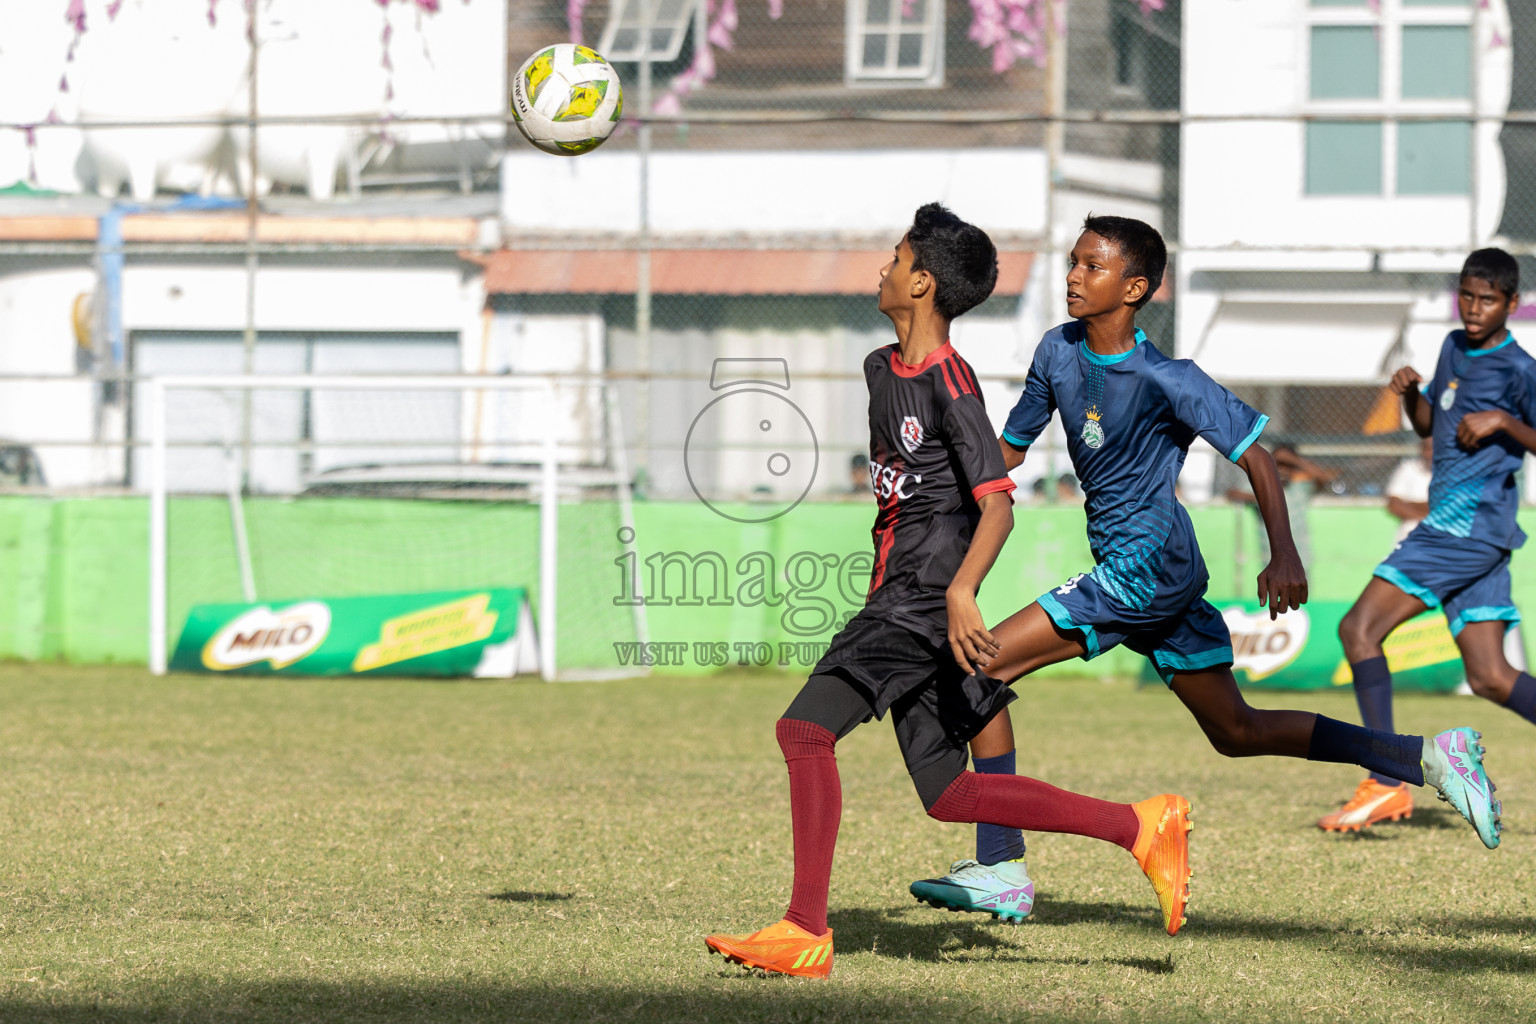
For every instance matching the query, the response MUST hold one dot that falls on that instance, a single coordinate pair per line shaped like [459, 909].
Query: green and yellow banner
[1300, 650]
[441, 633]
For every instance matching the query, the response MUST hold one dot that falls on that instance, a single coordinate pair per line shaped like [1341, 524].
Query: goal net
[273, 489]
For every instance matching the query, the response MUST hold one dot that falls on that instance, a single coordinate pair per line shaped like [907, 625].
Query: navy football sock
[1385, 755]
[1373, 692]
[1522, 699]
[994, 843]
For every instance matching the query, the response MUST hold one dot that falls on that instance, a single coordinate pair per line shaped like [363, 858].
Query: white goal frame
[156, 387]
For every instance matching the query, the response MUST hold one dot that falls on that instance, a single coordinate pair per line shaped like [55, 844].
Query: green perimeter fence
[74, 572]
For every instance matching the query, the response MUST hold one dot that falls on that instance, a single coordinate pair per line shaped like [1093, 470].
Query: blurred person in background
[858, 476]
[1301, 478]
[1067, 491]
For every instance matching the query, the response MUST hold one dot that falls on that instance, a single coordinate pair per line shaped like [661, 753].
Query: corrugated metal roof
[709, 271]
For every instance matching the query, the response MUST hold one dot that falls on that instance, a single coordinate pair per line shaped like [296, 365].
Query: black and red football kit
[932, 456]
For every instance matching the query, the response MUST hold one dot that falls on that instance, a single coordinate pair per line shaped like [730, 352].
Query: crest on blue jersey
[1093, 432]
[911, 433]
[1448, 399]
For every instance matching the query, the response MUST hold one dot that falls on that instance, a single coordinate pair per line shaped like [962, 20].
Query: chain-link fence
[1318, 168]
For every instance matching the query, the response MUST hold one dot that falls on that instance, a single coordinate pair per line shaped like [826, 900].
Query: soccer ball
[566, 99]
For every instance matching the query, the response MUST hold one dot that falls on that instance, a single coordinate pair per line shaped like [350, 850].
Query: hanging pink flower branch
[721, 18]
[573, 12]
[1014, 30]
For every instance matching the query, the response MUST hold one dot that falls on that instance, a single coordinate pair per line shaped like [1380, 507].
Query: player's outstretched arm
[969, 637]
[1405, 382]
[1283, 582]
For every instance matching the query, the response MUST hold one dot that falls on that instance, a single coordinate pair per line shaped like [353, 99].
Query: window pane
[910, 51]
[1436, 3]
[625, 40]
[1346, 64]
[669, 12]
[874, 52]
[1437, 62]
[1343, 158]
[878, 12]
[661, 41]
[913, 12]
[1123, 36]
[1434, 158]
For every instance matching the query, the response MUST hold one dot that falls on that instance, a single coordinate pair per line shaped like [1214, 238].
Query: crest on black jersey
[911, 433]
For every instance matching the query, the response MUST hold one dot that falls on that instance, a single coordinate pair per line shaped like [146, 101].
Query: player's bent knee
[947, 795]
[1355, 634]
[1487, 685]
[1235, 738]
[799, 738]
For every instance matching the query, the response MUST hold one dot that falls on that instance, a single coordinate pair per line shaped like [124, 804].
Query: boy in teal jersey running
[1130, 415]
[1479, 408]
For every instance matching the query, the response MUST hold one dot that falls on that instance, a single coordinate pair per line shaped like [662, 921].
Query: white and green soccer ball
[566, 99]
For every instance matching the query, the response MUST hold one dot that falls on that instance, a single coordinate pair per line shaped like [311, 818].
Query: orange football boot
[783, 948]
[1372, 802]
[1162, 850]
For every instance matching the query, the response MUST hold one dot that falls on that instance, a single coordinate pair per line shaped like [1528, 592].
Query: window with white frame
[664, 21]
[895, 42]
[1404, 57]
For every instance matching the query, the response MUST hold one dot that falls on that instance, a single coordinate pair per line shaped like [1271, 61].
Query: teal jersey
[1130, 420]
[1472, 492]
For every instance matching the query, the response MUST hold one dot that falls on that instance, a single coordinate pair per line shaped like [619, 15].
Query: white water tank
[157, 60]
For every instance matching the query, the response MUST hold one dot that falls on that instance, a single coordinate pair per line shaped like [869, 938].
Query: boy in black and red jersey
[945, 510]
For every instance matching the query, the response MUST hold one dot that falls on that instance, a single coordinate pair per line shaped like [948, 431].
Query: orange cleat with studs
[1162, 850]
[782, 948]
[1373, 802]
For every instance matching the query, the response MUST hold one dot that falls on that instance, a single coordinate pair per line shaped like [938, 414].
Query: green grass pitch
[197, 849]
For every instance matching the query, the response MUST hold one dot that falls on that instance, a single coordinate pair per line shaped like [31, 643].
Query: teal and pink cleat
[1453, 764]
[1003, 890]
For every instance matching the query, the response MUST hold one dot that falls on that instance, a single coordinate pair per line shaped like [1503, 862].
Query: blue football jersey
[1473, 493]
[1130, 419]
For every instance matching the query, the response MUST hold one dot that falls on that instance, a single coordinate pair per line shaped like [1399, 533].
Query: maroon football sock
[815, 807]
[1034, 806]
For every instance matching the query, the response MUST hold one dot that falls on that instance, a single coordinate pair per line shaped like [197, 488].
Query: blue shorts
[1467, 577]
[1184, 636]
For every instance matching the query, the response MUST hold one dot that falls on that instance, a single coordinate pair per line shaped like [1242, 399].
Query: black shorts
[935, 706]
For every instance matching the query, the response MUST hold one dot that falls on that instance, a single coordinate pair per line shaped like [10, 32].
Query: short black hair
[1141, 247]
[1495, 266]
[960, 256]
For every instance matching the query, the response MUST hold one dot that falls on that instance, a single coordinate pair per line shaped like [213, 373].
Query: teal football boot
[1003, 890]
[1453, 764]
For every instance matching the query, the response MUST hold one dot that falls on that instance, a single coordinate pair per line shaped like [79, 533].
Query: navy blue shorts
[1187, 637]
[1467, 577]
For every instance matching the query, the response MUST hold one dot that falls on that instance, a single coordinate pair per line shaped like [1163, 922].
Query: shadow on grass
[1414, 944]
[773, 1000]
[944, 937]
[523, 896]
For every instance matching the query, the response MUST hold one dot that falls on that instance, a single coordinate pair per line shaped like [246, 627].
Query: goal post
[438, 476]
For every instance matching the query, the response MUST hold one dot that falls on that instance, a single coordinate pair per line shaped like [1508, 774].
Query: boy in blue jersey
[1130, 414]
[1479, 409]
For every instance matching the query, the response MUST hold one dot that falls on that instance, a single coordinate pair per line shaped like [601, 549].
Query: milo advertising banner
[443, 633]
[1300, 650]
